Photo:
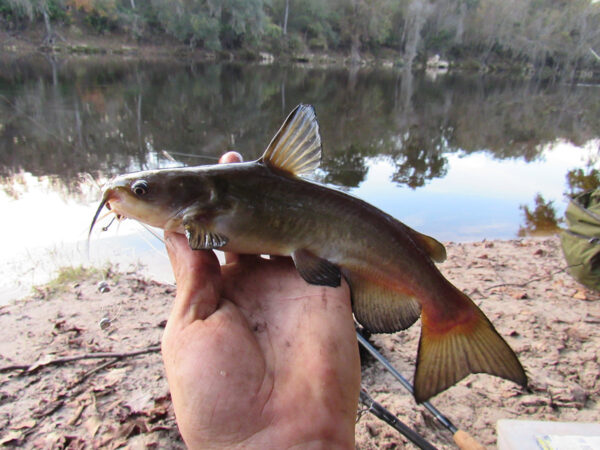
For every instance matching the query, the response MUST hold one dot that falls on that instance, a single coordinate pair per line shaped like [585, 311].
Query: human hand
[256, 357]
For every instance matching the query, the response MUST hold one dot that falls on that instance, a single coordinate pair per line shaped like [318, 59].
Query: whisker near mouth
[102, 203]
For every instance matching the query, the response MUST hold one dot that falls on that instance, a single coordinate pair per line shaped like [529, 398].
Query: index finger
[198, 277]
[227, 158]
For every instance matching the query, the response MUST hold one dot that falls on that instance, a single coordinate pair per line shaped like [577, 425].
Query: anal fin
[381, 309]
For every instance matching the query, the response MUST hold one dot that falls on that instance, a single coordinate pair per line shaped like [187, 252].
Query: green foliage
[10, 14]
[57, 11]
[440, 41]
[65, 278]
[543, 33]
[273, 38]
[101, 23]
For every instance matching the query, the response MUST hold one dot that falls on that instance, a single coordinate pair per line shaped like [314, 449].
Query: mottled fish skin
[264, 207]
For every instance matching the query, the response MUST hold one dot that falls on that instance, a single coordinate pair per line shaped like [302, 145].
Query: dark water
[453, 156]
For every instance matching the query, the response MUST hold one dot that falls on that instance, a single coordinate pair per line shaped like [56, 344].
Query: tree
[34, 8]
[213, 24]
[363, 22]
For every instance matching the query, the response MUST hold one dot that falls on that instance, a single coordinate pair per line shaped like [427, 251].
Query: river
[453, 156]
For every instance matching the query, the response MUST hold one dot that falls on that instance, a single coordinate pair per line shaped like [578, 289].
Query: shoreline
[83, 46]
[547, 317]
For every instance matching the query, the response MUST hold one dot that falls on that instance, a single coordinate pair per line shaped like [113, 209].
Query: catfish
[266, 207]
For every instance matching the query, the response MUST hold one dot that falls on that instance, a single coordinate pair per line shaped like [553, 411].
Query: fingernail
[230, 157]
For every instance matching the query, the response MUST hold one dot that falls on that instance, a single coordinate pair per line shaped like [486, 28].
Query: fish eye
[140, 187]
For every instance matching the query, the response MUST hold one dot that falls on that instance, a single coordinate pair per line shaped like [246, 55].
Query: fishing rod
[463, 439]
[382, 413]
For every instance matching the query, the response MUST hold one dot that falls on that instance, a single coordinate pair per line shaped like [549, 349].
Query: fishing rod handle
[466, 442]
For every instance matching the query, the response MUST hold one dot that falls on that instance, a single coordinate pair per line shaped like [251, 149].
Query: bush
[273, 38]
[318, 43]
[100, 23]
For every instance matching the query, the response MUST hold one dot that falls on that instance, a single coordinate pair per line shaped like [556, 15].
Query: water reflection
[108, 118]
[541, 220]
[453, 157]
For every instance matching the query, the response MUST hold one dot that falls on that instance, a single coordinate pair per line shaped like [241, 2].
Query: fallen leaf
[114, 376]
[139, 402]
[580, 295]
[92, 424]
[132, 428]
[73, 420]
[41, 362]
[70, 442]
[24, 425]
[14, 438]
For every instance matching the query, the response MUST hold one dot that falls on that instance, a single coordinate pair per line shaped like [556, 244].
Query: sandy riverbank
[550, 320]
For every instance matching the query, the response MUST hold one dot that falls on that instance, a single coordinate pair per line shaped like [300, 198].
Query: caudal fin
[448, 352]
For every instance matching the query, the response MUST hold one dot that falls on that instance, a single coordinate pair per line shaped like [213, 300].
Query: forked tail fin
[448, 352]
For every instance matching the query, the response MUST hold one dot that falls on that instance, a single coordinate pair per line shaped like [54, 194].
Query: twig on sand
[74, 388]
[548, 276]
[30, 368]
[69, 391]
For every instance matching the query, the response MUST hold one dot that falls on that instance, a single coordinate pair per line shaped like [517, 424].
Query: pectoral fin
[316, 270]
[381, 309]
[200, 238]
[296, 148]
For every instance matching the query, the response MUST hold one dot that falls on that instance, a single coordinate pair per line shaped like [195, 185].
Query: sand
[550, 320]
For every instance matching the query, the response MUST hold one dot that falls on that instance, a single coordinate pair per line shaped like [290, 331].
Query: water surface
[453, 157]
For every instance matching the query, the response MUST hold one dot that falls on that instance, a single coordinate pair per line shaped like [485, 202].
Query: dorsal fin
[296, 148]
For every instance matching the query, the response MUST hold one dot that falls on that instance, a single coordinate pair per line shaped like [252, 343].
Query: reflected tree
[541, 220]
[420, 159]
[582, 180]
[105, 119]
[348, 169]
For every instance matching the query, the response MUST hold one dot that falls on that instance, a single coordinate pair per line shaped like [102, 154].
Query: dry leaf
[92, 424]
[41, 362]
[13, 438]
[114, 376]
[73, 420]
[139, 402]
[132, 428]
[25, 425]
[580, 295]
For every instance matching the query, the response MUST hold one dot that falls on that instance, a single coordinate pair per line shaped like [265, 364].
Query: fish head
[157, 197]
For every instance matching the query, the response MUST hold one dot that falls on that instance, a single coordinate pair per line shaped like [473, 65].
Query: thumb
[198, 278]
